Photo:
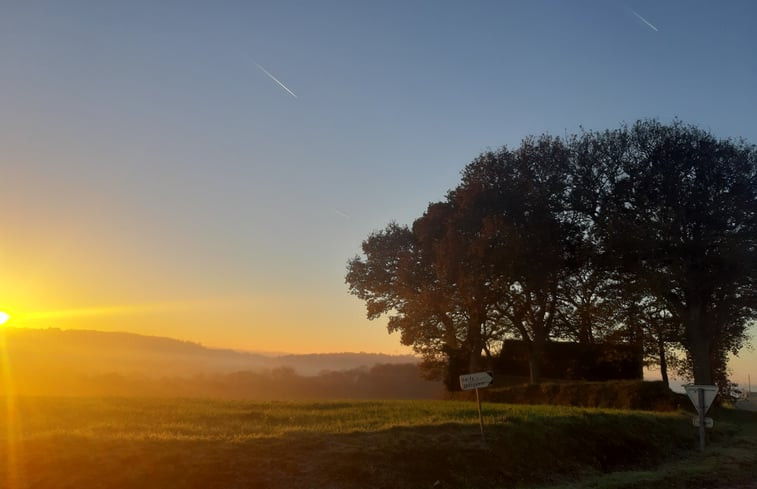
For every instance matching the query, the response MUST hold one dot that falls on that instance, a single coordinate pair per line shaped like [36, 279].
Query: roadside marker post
[708, 422]
[702, 396]
[475, 381]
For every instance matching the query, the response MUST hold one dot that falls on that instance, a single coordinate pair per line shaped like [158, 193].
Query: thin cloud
[651, 26]
[277, 80]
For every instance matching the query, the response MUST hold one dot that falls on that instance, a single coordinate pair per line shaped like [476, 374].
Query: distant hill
[311, 364]
[107, 352]
[83, 362]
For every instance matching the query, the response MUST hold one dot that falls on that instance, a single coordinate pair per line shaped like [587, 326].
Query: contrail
[637, 15]
[277, 81]
[343, 214]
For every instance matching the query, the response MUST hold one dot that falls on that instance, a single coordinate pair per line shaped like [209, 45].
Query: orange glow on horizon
[12, 423]
[249, 322]
[120, 310]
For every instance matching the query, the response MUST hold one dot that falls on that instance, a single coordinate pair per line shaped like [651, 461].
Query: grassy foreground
[141, 443]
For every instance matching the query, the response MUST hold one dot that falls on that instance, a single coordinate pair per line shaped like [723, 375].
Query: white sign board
[710, 391]
[708, 422]
[476, 381]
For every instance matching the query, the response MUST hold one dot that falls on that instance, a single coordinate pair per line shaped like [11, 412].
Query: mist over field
[78, 362]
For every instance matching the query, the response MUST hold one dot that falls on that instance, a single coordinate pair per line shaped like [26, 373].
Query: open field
[87, 443]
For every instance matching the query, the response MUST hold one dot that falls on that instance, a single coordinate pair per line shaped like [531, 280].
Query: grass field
[87, 443]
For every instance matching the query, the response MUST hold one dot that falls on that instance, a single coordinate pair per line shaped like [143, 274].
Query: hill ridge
[123, 351]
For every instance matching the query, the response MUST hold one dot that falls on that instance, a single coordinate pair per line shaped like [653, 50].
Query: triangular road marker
[710, 391]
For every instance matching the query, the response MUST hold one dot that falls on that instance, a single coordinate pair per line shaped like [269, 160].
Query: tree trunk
[663, 364]
[699, 345]
[585, 336]
[636, 337]
[476, 345]
[700, 357]
[474, 362]
[535, 357]
[533, 370]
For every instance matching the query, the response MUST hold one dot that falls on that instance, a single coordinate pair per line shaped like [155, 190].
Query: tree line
[379, 381]
[643, 235]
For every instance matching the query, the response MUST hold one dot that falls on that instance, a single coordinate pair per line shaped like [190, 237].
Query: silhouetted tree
[646, 322]
[644, 235]
[486, 263]
[531, 237]
[431, 282]
[677, 209]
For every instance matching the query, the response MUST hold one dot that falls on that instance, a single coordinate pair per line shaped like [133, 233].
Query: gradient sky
[154, 179]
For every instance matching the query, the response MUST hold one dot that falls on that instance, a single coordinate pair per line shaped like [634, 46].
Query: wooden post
[480, 418]
[700, 393]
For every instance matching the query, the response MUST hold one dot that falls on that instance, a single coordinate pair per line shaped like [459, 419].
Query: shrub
[621, 394]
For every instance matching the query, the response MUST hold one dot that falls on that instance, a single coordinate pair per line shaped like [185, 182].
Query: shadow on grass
[519, 452]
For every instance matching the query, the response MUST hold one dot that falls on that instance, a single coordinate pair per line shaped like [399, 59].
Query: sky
[204, 170]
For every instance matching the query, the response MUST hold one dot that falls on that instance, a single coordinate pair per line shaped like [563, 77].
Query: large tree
[532, 237]
[645, 235]
[429, 282]
[678, 212]
[487, 263]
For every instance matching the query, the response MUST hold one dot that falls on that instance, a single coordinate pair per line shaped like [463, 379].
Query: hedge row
[621, 394]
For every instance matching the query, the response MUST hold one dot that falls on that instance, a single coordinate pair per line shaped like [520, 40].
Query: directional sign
[708, 422]
[476, 381]
[710, 391]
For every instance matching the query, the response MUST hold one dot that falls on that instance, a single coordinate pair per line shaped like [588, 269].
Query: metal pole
[700, 393]
[480, 418]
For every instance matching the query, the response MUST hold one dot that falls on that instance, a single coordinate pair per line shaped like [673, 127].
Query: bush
[622, 394]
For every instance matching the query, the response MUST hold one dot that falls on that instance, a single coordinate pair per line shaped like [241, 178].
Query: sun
[4, 317]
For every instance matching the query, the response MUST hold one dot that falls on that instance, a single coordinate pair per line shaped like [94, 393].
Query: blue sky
[148, 160]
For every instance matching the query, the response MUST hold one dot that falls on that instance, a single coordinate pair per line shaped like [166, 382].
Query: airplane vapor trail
[277, 80]
[645, 21]
[343, 214]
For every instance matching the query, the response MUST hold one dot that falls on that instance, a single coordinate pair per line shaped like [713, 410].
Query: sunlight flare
[87, 311]
[120, 310]
[4, 317]
[12, 421]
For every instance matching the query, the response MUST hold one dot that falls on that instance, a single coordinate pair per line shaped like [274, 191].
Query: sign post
[701, 411]
[480, 419]
[476, 381]
[701, 396]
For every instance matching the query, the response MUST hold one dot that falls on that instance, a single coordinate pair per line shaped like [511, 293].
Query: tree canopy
[679, 215]
[645, 234]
